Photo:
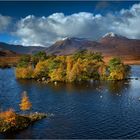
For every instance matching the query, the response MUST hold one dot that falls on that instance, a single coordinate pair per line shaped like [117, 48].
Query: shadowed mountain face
[19, 49]
[70, 45]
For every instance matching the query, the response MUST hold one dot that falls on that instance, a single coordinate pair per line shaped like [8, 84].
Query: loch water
[83, 110]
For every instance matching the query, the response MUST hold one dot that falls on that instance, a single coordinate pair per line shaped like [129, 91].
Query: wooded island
[81, 66]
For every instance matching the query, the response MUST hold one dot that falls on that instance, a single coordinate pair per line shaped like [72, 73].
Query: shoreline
[21, 122]
[14, 60]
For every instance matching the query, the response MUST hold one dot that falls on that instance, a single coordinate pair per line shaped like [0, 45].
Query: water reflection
[117, 87]
[113, 87]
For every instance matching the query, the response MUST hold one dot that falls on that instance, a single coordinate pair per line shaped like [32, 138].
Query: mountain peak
[110, 34]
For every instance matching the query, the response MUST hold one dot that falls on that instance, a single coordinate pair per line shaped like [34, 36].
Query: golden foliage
[118, 71]
[69, 62]
[41, 69]
[24, 73]
[8, 116]
[25, 103]
[58, 74]
[118, 74]
[81, 66]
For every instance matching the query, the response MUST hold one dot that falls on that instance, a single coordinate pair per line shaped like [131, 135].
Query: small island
[81, 66]
[10, 121]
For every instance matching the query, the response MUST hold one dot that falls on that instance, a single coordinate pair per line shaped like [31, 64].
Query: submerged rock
[55, 83]
[43, 78]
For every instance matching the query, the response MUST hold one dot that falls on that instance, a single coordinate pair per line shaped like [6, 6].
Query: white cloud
[46, 30]
[129, 26]
[4, 22]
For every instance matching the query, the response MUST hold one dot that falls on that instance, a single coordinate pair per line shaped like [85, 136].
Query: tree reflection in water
[117, 87]
[113, 87]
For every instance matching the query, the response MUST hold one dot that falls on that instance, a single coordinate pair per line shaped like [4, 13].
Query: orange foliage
[69, 62]
[24, 72]
[58, 74]
[8, 116]
[25, 103]
[41, 69]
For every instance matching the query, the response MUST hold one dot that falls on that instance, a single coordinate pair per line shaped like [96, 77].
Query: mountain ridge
[110, 44]
[20, 49]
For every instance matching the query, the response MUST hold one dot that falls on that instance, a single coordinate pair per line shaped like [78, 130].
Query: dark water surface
[88, 110]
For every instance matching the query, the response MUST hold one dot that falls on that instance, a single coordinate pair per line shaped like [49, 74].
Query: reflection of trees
[24, 82]
[116, 87]
[73, 87]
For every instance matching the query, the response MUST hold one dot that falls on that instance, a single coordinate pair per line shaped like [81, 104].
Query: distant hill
[10, 54]
[19, 49]
[8, 58]
[4, 53]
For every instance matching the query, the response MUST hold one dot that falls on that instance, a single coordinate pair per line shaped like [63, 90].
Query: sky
[45, 22]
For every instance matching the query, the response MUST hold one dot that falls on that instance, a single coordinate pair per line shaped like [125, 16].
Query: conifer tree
[25, 103]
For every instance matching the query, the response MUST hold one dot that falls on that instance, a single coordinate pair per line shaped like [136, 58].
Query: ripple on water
[78, 110]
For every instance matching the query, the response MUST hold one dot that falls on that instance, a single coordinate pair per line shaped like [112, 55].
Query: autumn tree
[25, 103]
[69, 63]
[80, 54]
[57, 68]
[76, 70]
[82, 66]
[8, 116]
[24, 73]
[39, 56]
[58, 74]
[24, 61]
[41, 69]
[97, 57]
[102, 70]
[117, 69]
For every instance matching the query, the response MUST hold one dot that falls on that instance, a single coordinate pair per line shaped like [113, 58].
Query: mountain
[71, 45]
[19, 49]
[120, 45]
[109, 45]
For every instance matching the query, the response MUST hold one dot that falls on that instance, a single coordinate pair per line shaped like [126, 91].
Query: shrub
[24, 61]
[25, 103]
[117, 70]
[24, 73]
[8, 116]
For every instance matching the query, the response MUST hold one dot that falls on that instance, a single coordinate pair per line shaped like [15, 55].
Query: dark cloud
[5, 21]
[102, 4]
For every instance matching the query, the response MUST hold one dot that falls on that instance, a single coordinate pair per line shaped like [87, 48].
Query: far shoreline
[9, 62]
